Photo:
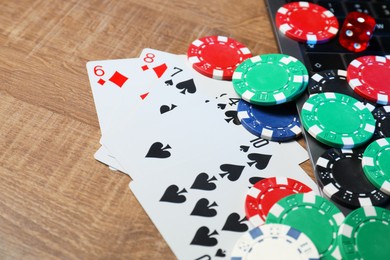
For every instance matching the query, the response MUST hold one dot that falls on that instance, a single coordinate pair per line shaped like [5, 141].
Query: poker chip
[382, 116]
[274, 241]
[313, 215]
[306, 22]
[334, 81]
[277, 123]
[365, 234]
[305, 83]
[217, 56]
[331, 81]
[376, 164]
[369, 77]
[337, 120]
[266, 192]
[270, 79]
[341, 178]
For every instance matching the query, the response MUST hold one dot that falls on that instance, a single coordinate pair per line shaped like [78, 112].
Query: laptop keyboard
[332, 55]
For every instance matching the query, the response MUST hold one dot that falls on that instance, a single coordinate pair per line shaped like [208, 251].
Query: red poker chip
[217, 56]
[265, 193]
[369, 77]
[306, 22]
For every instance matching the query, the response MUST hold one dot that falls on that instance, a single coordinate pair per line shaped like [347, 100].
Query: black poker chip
[334, 81]
[341, 178]
[382, 116]
[330, 81]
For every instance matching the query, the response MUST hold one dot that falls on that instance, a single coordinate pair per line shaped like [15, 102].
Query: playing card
[103, 156]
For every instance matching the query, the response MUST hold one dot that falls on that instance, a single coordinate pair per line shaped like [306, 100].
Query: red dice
[357, 31]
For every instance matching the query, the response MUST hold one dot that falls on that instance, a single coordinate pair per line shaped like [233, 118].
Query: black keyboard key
[382, 27]
[385, 41]
[335, 7]
[382, 9]
[374, 45]
[359, 7]
[325, 61]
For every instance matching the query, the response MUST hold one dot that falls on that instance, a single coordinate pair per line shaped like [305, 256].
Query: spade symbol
[221, 253]
[187, 86]
[244, 148]
[232, 117]
[166, 108]
[203, 209]
[260, 160]
[234, 223]
[254, 180]
[203, 237]
[169, 82]
[203, 183]
[158, 151]
[232, 171]
[221, 106]
[172, 194]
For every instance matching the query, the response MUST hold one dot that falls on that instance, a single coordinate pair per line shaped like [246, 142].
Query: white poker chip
[274, 241]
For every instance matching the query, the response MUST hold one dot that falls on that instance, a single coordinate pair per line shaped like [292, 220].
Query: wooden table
[56, 201]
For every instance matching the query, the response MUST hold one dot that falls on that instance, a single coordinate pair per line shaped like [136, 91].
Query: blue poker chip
[277, 123]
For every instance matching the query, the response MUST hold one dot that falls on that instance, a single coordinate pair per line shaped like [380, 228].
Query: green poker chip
[337, 120]
[376, 164]
[313, 215]
[365, 234]
[270, 79]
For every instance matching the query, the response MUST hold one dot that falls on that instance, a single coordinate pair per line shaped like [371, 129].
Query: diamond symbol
[143, 96]
[145, 67]
[118, 79]
[101, 81]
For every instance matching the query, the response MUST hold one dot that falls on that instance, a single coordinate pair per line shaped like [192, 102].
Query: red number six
[98, 70]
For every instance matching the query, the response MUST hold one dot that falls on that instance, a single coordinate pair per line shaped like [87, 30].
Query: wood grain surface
[56, 201]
